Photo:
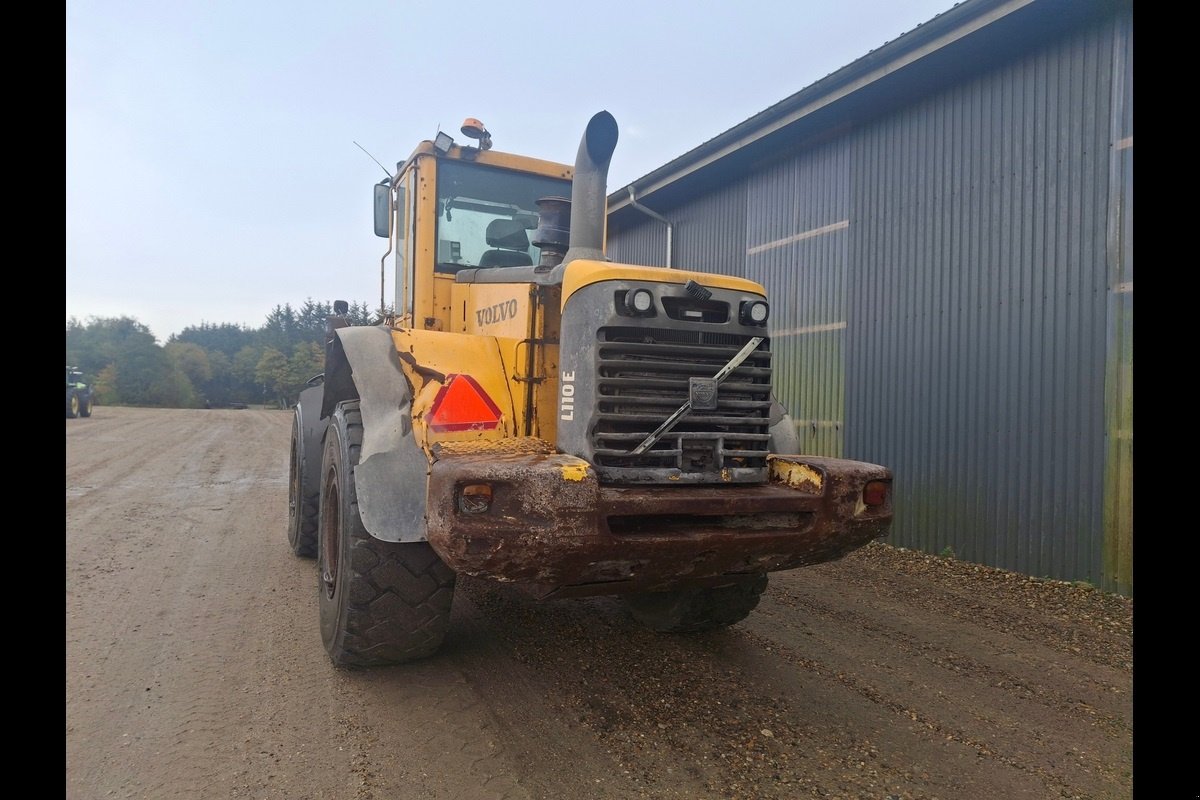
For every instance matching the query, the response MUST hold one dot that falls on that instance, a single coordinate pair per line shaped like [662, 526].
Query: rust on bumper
[554, 530]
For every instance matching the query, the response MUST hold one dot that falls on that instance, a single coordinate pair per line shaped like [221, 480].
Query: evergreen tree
[223, 337]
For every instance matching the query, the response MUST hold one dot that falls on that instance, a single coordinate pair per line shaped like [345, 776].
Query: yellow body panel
[496, 309]
[496, 158]
[794, 473]
[429, 358]
[583, 273]
[549, 323]
[426, 246]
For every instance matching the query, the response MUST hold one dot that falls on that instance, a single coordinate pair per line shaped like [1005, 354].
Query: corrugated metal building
[944, 227]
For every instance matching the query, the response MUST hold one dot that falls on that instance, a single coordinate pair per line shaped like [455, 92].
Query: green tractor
[79, 395]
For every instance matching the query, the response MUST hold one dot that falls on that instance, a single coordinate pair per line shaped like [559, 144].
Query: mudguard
[784, 439]
[312, 436]
[392, 473]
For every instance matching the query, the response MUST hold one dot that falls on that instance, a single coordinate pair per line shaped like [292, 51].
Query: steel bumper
[552, 528]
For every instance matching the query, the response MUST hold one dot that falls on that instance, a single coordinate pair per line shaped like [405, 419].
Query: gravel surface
[195, 667]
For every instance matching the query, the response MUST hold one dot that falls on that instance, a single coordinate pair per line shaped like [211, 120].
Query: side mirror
[383, 209]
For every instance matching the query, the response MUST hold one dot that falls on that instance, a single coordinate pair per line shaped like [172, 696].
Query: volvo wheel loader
[537, 415]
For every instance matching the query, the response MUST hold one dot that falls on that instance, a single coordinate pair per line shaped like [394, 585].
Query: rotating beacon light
[474, 129]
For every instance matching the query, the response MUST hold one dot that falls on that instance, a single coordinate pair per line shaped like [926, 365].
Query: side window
[486, 215]
[405, 247]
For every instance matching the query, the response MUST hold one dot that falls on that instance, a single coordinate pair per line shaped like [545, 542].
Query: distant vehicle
[225, 405]
[79, 395]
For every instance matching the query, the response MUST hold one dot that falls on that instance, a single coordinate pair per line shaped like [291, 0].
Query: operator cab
[486, 215]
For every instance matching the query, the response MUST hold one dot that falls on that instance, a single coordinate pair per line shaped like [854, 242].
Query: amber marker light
[875, 493]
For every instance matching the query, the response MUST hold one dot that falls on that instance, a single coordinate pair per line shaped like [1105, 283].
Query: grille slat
[653, 420]
[610, 368]
[634, 437]
[700, 352]
[669, 402]
[678, 384]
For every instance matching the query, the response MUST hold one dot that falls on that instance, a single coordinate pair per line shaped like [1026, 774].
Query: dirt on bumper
[554, 530]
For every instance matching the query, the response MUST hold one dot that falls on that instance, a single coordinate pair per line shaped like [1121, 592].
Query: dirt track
[195, 667]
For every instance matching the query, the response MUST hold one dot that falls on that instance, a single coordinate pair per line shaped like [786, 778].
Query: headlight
[639, 302]
[754, 312]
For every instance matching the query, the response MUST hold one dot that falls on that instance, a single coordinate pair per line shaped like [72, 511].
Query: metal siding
[797, 230]
[708, 234]
[984, 276]
[643, 242]
[979, 266]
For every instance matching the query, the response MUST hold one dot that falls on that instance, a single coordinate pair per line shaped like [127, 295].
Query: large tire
[302, 504]
[85, 408]
[695, 610]
[72, 404]
[380, 602]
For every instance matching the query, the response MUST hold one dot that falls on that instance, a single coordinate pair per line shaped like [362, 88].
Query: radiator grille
[643, 377]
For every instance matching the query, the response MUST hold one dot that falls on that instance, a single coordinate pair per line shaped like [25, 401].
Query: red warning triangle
[462, 405]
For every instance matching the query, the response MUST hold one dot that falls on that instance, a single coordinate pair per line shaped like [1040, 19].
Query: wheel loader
[537, 415]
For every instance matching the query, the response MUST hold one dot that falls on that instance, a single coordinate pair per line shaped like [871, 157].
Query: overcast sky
[211, 170]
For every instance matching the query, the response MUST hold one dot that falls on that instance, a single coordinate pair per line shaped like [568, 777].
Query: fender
[784, 439]
[393, 471]
[312, 437]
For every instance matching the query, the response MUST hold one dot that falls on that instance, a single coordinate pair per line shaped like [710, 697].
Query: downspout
[652, 213]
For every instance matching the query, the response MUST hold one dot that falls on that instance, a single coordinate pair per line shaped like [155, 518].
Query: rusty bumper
[553, 529]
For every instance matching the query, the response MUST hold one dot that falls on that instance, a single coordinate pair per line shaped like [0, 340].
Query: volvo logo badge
[703, 393]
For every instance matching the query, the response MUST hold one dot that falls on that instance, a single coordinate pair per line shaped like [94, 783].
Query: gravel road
[195, 667]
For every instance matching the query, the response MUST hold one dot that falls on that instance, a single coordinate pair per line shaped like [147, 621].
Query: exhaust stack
[589, 188]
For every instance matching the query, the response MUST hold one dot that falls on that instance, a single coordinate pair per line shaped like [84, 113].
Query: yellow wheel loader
[537, 415]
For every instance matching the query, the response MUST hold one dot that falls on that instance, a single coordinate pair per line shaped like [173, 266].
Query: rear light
[463, 405]
[475, 498]
[875, 493]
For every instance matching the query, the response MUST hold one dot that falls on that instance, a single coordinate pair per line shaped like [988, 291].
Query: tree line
[206, 365]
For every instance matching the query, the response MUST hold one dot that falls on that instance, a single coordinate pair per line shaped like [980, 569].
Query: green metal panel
[1118, 394]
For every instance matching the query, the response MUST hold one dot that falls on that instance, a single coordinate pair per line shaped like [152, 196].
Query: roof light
[462, 405]
[442, 142]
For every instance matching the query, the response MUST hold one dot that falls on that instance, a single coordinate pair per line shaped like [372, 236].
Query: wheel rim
[74, 404]
[331, 524]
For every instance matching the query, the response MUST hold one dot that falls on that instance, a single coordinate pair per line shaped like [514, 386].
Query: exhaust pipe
[589, 188]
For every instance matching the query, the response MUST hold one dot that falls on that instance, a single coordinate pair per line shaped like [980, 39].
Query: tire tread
[399, 594]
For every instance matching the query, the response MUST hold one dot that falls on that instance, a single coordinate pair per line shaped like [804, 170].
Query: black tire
[85, 408]
[72, 404]
[696, 610]
[380, 602]
[302, 504]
